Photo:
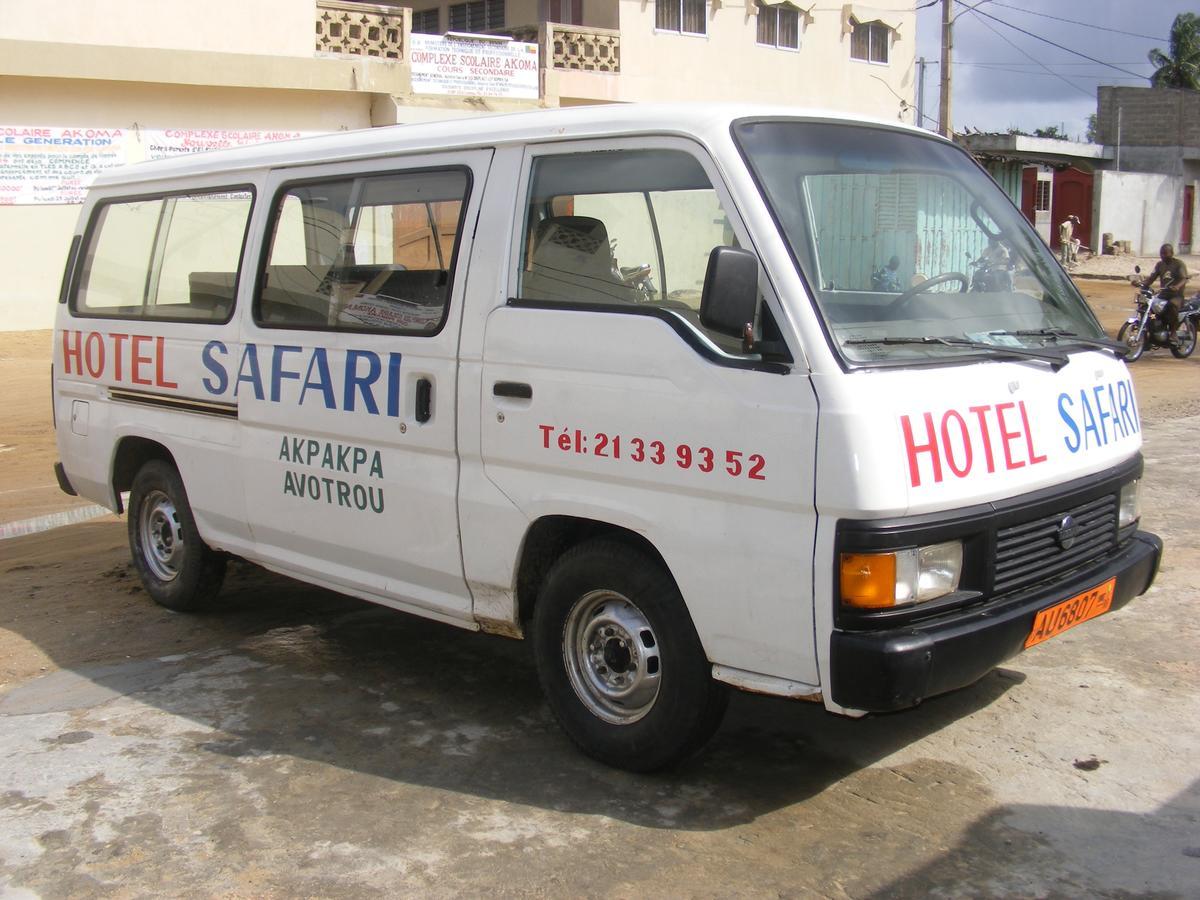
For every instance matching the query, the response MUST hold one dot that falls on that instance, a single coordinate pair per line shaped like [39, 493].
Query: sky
[1002, 78]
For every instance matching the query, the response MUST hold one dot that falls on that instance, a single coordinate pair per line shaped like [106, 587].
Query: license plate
[1058, 618]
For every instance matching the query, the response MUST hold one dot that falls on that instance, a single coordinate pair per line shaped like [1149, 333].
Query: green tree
[1093, 132]
[1180, 68]
[1050, 131]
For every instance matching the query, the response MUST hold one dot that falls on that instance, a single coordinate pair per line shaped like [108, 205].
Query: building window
[779, 26]
[427, 21]
[1041, 199]
[684, 16]
[565, 12]
[869, 42]
[477, 16]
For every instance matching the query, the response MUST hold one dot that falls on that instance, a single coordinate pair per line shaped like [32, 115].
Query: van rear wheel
[178, 570]
[619, 660]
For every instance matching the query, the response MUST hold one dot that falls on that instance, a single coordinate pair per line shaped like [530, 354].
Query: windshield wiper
[1056, 358]
[1061, 334]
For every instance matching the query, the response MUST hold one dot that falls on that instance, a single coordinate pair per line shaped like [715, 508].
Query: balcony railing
[361, 29]
[573, 47]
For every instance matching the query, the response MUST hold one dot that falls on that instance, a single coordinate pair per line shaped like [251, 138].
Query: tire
[1132, 337]
[619, 659]
[1186, 336]
[177, 568]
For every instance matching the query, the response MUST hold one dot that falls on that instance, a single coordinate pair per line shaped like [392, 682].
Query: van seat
[210, 294]
[572, 262]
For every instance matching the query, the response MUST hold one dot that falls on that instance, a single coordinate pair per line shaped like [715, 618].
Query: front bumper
[885, 670]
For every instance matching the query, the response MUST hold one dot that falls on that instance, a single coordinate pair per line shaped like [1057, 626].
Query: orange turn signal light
[868, 580]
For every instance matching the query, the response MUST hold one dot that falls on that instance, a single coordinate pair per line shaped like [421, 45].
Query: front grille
[1029, 553]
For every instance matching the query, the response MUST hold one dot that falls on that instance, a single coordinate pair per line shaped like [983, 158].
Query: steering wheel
[904, 299]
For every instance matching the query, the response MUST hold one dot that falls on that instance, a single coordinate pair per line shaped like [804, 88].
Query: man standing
[1068, 246]
[1172, 277]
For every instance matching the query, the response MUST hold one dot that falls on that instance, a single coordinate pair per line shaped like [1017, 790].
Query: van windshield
[911, 251]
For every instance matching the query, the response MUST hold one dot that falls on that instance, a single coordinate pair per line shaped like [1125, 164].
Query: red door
[1029, 192]
[1073, 197]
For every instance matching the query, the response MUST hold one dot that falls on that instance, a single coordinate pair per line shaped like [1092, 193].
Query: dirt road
[294, 742]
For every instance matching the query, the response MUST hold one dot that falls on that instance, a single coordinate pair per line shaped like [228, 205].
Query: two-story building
[96, 83]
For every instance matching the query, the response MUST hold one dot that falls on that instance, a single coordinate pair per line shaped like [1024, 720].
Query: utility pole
[921, 92]
[944, 127]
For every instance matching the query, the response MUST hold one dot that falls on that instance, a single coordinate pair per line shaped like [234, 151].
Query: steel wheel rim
[162, 537]
[612, 657]
[1133, 340]
[1186, 337]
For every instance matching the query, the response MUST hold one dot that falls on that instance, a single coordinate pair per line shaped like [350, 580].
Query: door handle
[514, 389]
[424, 404]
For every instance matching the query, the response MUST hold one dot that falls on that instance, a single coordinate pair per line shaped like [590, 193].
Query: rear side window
[370, 253]
[171, 258]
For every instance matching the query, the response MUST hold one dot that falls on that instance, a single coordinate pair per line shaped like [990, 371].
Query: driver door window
[623, 229]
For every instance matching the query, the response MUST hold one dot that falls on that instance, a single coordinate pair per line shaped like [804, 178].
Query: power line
[1083, 24]
[1038, 62]
[1038, 37]
[1105, 78]
[1055, 65]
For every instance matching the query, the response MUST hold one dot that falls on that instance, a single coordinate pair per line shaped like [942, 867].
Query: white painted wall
[728, 64]
[1140, 208]
[36, 238]
[264, 27]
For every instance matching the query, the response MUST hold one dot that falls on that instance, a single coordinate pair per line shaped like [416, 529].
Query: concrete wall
[266, 27]
[36, 238]
[1137, 207]
[1150, 117]
[727, 64]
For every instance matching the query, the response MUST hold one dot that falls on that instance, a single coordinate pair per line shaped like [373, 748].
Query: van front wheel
[177, 568]
[619, 659]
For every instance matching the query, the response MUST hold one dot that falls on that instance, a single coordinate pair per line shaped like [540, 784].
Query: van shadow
[1033, 850]
[282, 668]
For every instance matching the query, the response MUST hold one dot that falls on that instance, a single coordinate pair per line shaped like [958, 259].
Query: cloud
[998, 78]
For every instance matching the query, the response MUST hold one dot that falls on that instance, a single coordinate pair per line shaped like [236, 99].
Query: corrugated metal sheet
[861, 221]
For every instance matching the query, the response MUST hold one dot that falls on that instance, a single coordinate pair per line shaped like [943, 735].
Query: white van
[693, 397]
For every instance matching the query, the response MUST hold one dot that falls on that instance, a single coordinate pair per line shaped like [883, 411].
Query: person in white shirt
[1068, 246]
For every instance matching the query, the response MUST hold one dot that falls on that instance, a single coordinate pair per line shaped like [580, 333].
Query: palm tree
[1181, 67]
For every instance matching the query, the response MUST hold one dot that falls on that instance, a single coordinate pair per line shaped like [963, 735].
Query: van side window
[364, 254]
[622, 227]
[171, 258]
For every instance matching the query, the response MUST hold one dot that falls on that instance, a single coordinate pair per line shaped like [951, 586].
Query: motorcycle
[1146, 329]
[637, 278]
[991, 275]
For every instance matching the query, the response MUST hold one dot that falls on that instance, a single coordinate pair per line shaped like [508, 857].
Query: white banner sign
[43, 165]
[174, 141]
[474, 68]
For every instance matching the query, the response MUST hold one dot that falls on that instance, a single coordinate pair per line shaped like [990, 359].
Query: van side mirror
[729, 301]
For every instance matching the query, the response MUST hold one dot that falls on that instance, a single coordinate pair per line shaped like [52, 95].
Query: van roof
[707, 121]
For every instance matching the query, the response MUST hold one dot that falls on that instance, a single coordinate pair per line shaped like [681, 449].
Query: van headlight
[1131, 507]
[900, 577]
